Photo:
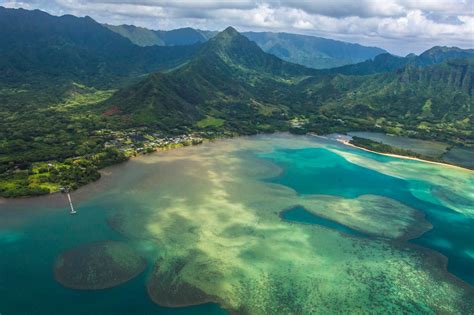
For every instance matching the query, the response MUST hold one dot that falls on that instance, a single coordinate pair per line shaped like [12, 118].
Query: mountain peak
[230, 31]
[231, 48]
[230, 39]
[228, 34]
[438, 54]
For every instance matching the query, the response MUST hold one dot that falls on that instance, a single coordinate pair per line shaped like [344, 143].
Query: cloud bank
[400, 26]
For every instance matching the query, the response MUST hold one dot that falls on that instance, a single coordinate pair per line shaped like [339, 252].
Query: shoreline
[102, 170]
[404, 157]
[168, 148]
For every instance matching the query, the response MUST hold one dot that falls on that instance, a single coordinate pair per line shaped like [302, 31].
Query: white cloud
[401, 26]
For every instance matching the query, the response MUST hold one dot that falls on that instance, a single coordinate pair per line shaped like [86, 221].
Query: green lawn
[210, 121]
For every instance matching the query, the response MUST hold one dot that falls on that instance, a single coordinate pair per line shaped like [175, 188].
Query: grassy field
[210, 121]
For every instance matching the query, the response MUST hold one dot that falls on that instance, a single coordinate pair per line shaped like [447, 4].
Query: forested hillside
[433, 101]
[37, 48]
[231, 78]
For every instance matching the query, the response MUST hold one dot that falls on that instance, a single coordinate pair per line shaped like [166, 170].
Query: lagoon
[207, 221]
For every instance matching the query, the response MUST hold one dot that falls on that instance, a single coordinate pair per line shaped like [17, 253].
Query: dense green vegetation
[76, 97]
[52, 140]
[40, 177]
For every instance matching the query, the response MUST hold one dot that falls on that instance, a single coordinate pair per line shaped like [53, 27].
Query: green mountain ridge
[389, 63]
[36, 47]
[438, 54]
[145, 37]
[438, 93]
[310, 51]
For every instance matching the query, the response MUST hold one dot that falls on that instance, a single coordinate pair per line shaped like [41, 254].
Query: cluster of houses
[140, 140]
[298, 122]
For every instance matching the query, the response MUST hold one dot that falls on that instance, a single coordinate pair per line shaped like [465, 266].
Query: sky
[399, 26]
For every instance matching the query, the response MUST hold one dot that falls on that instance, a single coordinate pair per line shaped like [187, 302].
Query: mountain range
[232, 79]
[387, 62]
[72, 85]
[36, 47]
[309, 51]
[145, 37]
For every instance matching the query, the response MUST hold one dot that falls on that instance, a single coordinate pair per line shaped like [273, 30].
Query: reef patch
[98, 265]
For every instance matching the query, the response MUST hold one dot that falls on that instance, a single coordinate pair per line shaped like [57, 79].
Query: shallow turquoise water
[28, 250]
[320, 171]
[299, 214]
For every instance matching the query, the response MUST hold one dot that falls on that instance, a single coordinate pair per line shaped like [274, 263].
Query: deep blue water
[299, 214]
[27, 285]
[320, 171]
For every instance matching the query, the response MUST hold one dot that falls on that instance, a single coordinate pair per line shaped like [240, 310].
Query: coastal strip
[346, 142]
